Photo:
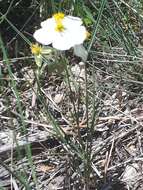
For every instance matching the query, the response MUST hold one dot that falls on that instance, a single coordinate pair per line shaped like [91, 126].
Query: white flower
[63, 32]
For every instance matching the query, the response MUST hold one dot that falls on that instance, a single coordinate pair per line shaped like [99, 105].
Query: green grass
[111, 27]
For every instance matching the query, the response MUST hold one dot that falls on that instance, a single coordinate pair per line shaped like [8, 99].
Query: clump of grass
[112, 51]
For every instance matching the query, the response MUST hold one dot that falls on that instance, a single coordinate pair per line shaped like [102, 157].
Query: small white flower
[63, 32]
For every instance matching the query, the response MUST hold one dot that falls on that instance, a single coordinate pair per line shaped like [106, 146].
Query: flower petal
[70, 21]
[69, 38]
[43, 36]
[78, 35]
[49, 23]
[62, 41]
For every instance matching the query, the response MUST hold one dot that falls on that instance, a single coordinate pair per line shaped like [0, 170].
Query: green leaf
[81, 52]
[57, 67]
[38, 60]
[46, 51]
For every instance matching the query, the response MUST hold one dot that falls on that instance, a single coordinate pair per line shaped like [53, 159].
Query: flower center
[36, 49]
[59, 27]
[58, 16]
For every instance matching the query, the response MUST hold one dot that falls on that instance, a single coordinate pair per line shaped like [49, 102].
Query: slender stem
[76, 115]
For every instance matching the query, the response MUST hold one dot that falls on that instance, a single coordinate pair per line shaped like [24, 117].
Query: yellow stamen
[60, 27]
[58, 16]
[36, 49]
[87, 34]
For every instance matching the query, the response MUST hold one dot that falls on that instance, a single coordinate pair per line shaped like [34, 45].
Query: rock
[58, 98]
[131, 174]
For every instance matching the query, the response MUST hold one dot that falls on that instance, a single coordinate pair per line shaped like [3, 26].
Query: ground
[111, 79]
